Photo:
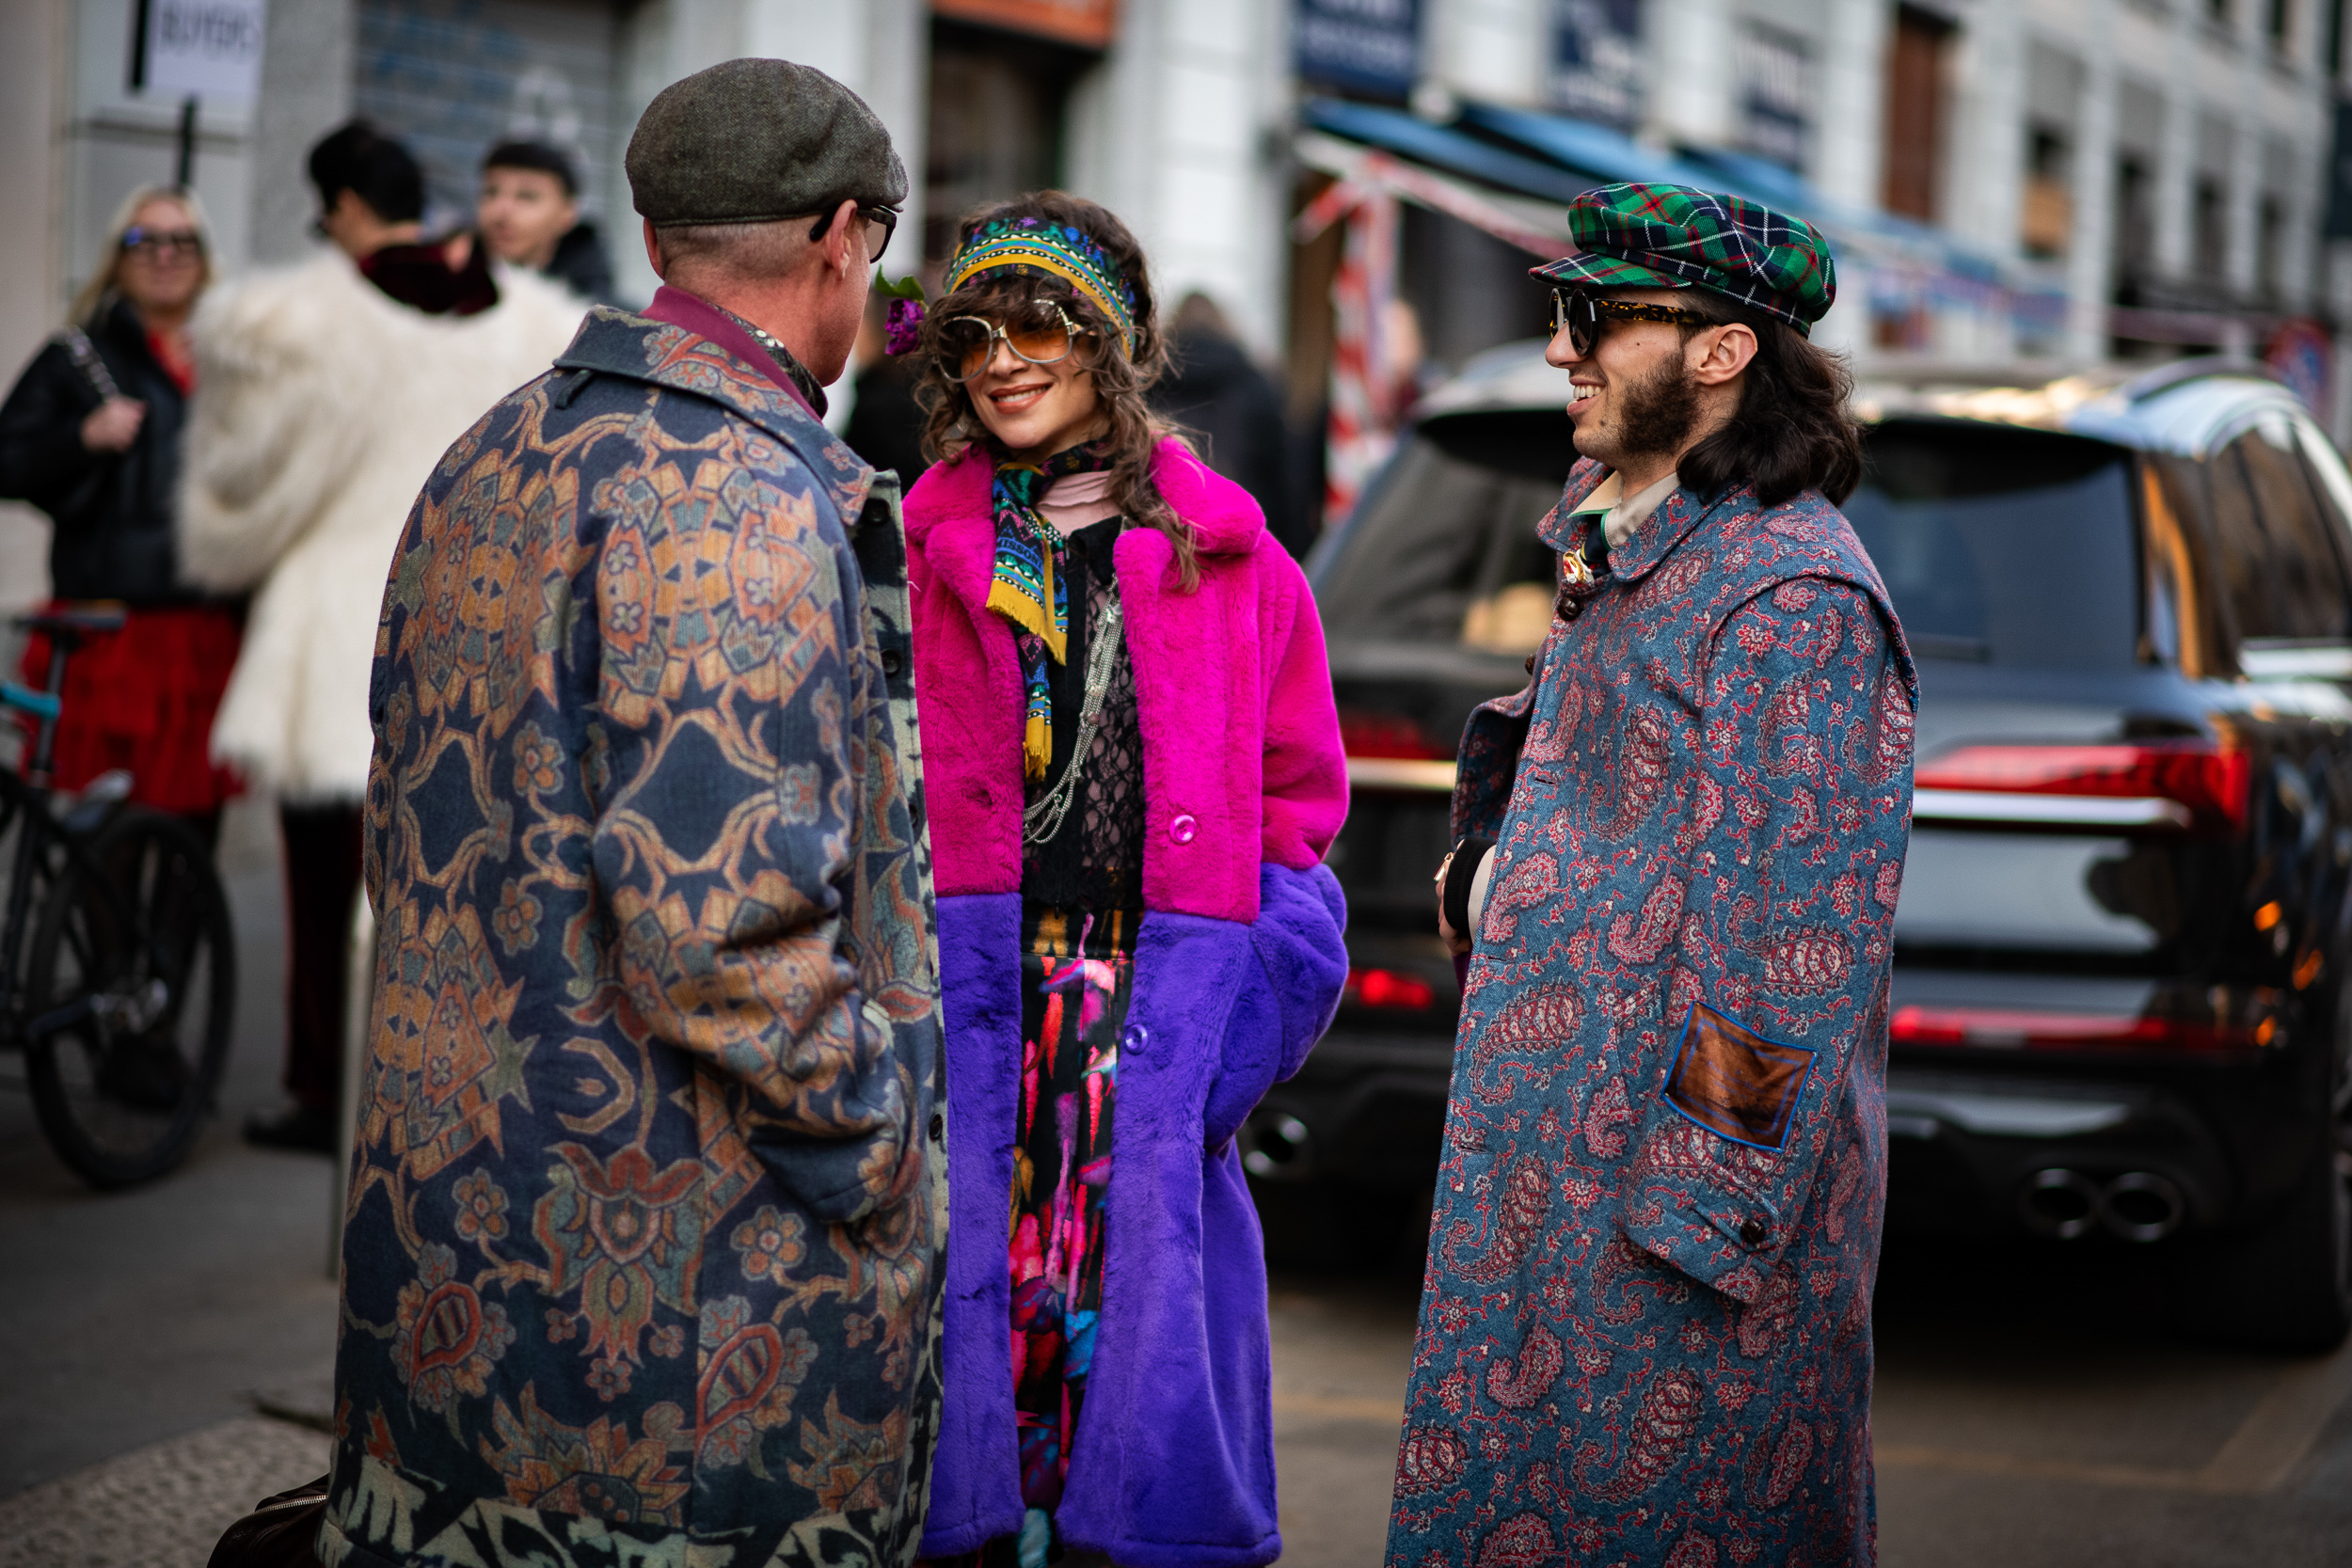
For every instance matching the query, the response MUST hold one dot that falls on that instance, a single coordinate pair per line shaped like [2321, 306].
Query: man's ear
[653, 251]
[1724, 352]
[840, 235]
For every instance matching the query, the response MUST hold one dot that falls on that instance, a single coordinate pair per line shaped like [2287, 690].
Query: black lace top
[1096, 859]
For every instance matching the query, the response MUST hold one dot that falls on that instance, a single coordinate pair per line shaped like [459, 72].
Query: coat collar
[949, 520]
[1658, 534]
[616, 343]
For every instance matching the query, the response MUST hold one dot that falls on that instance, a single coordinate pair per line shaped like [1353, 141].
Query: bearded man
[1646, 1332]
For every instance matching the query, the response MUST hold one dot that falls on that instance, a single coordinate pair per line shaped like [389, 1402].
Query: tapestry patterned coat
[1646, 1330]
[642, 1240]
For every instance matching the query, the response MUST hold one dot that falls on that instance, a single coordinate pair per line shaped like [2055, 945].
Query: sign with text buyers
[209, 49]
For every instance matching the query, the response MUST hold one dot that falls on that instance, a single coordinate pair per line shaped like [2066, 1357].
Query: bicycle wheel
[140, 964]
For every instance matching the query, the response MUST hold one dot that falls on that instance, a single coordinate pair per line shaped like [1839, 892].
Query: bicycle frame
[39, 832]
[25, 801]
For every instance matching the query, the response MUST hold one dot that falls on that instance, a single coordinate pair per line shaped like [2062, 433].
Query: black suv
[2122, 1006]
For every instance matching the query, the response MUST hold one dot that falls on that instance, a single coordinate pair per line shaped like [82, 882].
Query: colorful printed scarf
[1028, 588]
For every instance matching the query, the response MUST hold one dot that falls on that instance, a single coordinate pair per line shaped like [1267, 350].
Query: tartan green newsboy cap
[751, 141]
[1678, 237]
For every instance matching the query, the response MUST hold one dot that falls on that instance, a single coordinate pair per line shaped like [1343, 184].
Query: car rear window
[1998, 545]
[1445, 549]
[2002, 545]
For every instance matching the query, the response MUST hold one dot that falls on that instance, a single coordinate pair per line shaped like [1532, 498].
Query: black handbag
[281, 1533]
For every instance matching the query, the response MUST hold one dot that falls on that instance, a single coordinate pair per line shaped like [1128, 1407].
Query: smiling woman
[1139, 776]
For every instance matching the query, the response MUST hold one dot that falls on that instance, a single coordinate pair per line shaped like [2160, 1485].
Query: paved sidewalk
[163, 1506]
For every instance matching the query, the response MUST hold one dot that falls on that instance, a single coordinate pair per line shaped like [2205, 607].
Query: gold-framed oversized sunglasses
[1580, 314]
[1039, 332]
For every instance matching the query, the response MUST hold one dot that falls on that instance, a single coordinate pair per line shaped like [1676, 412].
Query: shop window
[2270, 230]
[2047, 217]
[1470, 291]
[2209, 236]
[2134, 226]
[998, 101]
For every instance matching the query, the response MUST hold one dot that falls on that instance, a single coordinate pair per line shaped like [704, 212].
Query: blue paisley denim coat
[640, 1245]
[1645, 1334]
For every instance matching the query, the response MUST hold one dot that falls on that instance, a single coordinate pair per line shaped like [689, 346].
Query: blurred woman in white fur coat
[327, 391]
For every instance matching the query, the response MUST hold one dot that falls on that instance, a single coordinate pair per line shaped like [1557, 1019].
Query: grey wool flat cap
[748, 141]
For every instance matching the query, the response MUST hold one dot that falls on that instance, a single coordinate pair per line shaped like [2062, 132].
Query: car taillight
[1387, 987]
[1386, 734]
[2157, 783]
[2011, 1029]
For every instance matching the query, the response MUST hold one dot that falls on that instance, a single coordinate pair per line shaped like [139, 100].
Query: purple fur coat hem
[1172, 1465]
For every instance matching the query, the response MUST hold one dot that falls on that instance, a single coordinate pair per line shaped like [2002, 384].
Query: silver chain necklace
[1043, 818]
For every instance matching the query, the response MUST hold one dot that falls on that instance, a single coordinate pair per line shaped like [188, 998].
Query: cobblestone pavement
[2029, 1412]
[139, 1316]
[162, 1506]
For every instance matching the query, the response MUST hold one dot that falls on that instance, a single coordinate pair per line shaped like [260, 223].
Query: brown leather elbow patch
[1734, 1082]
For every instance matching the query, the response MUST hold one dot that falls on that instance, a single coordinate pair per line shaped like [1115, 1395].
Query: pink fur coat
[1242, 759]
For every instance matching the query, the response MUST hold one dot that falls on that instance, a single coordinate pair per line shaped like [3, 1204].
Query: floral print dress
[1082, 895]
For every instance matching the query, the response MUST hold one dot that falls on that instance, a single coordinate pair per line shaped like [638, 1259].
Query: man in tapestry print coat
[642, 1237]
[1645, 1334]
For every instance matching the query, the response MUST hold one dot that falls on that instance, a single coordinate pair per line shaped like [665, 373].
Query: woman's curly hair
[1121, 378]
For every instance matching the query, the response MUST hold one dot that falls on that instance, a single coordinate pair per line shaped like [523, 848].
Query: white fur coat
[321, 407]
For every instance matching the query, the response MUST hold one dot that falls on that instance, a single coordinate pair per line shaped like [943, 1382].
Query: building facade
[2069, 182]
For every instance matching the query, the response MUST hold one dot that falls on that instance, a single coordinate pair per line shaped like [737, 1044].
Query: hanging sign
[1369, 46]
[1089, 23]
[1597, 60]
[207, 49]
[1774, 70]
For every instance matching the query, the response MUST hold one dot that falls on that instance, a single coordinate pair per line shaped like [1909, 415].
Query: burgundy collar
[678, 308]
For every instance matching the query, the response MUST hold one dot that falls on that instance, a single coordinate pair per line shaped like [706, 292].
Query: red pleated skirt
[143, 699]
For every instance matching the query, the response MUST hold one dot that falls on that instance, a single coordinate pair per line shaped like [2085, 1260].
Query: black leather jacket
[113, 510]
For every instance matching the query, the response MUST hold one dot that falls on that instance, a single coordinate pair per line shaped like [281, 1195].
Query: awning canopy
[1443, 148]
[1553, 158]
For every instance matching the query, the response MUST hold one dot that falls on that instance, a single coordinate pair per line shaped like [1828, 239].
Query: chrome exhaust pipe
[1275, 1145]
[2141, 1206]
[2064, 1204]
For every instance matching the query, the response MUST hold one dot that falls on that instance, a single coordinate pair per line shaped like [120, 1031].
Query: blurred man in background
[326, 392]
[528, 215]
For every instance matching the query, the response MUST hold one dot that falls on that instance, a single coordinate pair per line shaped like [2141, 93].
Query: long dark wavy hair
[1121, 378]
[1793, 431]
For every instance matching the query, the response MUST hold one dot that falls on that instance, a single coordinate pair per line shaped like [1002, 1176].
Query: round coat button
[1753, 1234]
[892, 663]
[1184, 829]
[938, 1127]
